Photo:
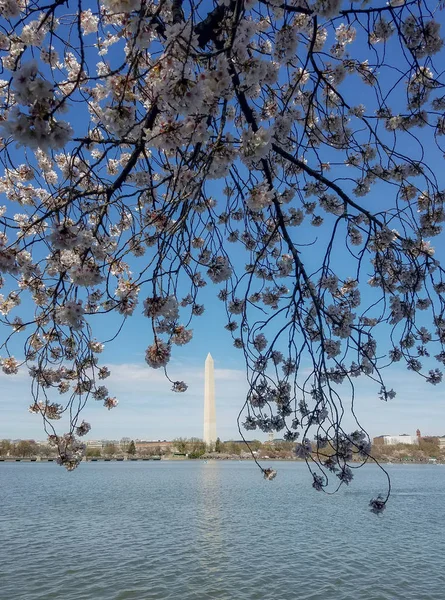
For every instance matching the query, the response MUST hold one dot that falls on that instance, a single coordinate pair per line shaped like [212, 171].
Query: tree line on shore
[195, 448]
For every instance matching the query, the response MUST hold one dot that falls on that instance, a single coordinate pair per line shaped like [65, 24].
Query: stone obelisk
[209, 402]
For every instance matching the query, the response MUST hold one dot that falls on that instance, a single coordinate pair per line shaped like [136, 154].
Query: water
[217, 530]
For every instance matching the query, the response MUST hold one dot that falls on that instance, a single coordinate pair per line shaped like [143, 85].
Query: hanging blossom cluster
[225, 149]
[30, 121]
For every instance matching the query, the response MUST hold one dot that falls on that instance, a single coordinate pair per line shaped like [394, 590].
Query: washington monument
[209, 402]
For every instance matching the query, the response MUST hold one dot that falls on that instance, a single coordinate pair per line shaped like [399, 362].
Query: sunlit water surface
[204, 531]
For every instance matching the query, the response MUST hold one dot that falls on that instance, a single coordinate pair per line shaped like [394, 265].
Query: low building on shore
[94, 444]
[242, 442]
[153, 445]
[392, 440]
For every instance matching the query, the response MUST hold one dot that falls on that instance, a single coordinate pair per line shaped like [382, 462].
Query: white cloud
[133, 372]
[149, 409]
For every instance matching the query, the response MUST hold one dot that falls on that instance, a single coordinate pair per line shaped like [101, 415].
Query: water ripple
[196, 531]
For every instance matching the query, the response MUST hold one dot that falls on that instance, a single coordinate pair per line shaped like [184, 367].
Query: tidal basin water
[217, 530]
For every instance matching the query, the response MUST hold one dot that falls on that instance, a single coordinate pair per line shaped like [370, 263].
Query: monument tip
[209, 356]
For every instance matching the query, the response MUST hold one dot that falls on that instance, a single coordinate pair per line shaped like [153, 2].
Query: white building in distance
[392, 440]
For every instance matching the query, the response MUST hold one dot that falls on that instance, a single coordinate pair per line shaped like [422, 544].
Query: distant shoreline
[213, 459]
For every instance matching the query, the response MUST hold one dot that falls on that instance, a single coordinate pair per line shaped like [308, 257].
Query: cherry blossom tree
[151, 147]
